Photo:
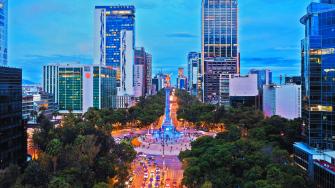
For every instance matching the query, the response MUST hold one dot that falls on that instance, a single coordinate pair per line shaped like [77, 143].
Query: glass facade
[108, 87]
[145, 59]
[219, 44]
[3, 31]
[70, 88]
[112, 21]
[318, 75]
[193, 60]
[13, 147]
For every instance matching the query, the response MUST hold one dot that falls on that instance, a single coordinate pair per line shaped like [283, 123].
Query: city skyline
[280, 40]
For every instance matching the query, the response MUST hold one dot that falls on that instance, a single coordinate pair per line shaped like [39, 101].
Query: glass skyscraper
[193, 68]
[13, 145]
[220, 51]
[110, 23]
[318, 74]
[3, 31]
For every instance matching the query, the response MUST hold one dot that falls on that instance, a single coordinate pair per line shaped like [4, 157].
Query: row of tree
[254, 152]
[82, 152]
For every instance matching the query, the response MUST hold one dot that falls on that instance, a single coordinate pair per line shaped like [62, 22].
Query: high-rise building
[145, 59]
[13, 146]
[318, 75]
[220, 51]
[193, 69]
[158, 82]
[3, 32]
[282, 100]
[181, 79]
[139, 89]
[148, 82]
[78, 87]
[316, 155]
[114, 44]
[264, 77]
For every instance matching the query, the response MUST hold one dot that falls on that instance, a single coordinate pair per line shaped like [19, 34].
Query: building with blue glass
[114, 41]
[318, 94]
[3, 31]
[193, 72]
[220, 50]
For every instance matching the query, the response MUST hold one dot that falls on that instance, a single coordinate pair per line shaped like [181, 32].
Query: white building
[243, 90]
[139, 80]
[243, 86]
[283, 100]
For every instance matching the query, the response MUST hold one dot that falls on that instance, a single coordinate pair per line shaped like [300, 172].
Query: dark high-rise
[13, 147]
[220, 51]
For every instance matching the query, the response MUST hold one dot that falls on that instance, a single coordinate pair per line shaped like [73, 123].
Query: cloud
[183, 35]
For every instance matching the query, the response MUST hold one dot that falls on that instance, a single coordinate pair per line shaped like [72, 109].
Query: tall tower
[113, 26]
[318, 75]
[220, 51]
[3, 31]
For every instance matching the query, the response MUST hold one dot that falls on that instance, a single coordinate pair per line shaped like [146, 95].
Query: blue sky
[48, 31]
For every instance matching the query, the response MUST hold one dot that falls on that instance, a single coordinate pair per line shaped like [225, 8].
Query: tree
[58, 182]
[9, 175]
[54, 149]
[34, 175]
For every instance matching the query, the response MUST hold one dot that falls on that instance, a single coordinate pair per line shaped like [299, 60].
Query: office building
[318, 91]
[193, 69]
[3, 32]
[243, 90]
[27, 107]
[264, 77]
[115, 43]
[220, 50]
[78, 87]
[143, 60]
[13, 146]
[181, 79]
[158, 82]
[140, 79]
[318, 75]
[282, 100]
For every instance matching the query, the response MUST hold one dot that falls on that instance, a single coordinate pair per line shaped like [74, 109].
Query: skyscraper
[13, 146]
[114, 38]
[181, 79]
[316, 155]
[220, 53]
[3, 31]
[318, 74]
[193, 68]
[143, 62]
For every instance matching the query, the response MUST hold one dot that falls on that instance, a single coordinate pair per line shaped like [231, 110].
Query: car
[145, 176]
[167, 185]
[158, 178]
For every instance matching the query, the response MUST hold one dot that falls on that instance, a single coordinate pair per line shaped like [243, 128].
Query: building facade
[115, 43]
[282, 100]
[318, 91]
[3, 32]
[78, 87]
[13, 146]
[220, 50]
[264, 77]
[193, 69]
[144, 59]
[318, 74]
[140, 80]
[243, 90]
[181, 79]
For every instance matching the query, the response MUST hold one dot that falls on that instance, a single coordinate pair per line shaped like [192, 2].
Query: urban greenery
[254, 152]
[81, 152]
